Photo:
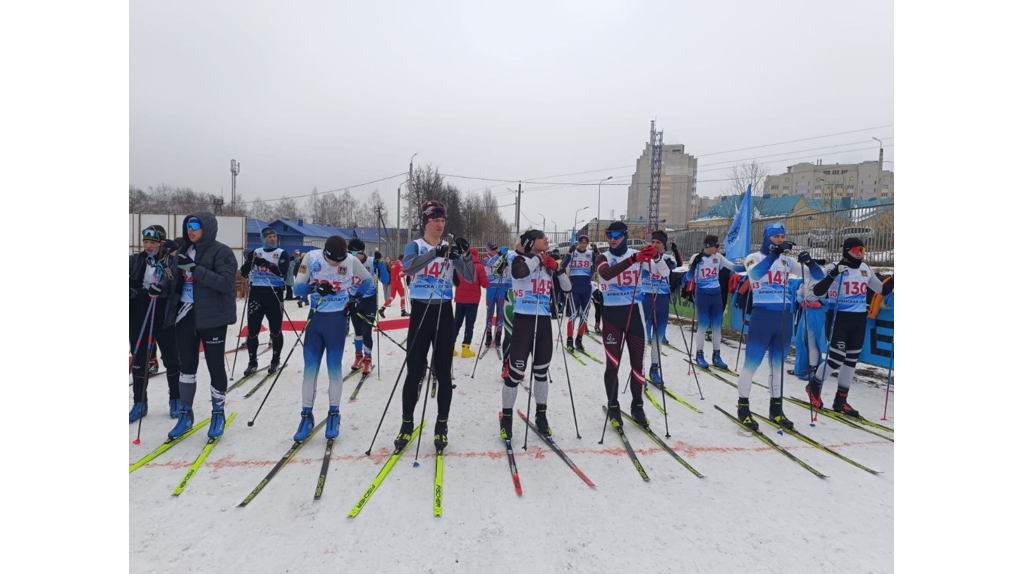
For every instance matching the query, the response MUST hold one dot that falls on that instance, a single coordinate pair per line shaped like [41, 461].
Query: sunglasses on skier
[194, 225]
[614, 234]
[859, 250]
[150, 234]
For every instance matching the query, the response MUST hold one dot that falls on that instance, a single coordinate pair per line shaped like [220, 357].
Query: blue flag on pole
[737, 242]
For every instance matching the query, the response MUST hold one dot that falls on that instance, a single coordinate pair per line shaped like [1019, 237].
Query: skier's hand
[696, 260]
[441, 251]
[461, 247]
[185, 262]
[838, 269]
[781, 248]
[646, 254]
[377, 256]
[549, 262]
[352, 308]
[325, 289]
[804, 257]
[154, 290]
[261, 262]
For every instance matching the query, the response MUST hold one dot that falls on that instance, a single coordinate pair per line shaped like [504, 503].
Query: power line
[328, 191]
[795, 141]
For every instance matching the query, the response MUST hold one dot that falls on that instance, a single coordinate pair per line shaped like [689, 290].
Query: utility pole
[878, 184]
[519, 199]
[235, 168]
[408, 187]
[398, 218]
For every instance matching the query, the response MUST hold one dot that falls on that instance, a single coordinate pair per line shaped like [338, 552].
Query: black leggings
[263, 302]
[163, 337]
[421, 337]
[847, 340]
[522, 346]
[188, 351]
[367, 307]
[615, 318]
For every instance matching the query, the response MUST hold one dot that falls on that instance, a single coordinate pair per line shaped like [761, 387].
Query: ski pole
[238, 340]
[149, 344]
[568, 379]
[656, 346]
[807, 335]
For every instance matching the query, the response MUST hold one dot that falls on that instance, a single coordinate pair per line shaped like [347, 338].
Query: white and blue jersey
[434, 280]
[533, 292]
[620, 289]
[654, 275]
[345, 277]
[369, 288]
[848, 291]
[705, 274]
[263, 276]
[771, 287]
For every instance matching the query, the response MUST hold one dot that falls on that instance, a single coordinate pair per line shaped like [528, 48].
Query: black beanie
[617, 226]
[356, 246]
[660, 236]
[848, 244]
[267, 231]
[335, 248]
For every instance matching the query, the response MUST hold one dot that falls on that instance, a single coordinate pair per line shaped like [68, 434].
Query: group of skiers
[185, 294]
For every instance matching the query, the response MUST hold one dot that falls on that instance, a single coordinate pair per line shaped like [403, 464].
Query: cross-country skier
[203, 292]
[846, 283]
[430, 262]
[619, 272]
[496, 292]
[532, 277]
[654, 279]
[265, 267]
[149, 278]
[704, 272]
[769, 272]
[363, 301]
[328, 276]
[580, 263]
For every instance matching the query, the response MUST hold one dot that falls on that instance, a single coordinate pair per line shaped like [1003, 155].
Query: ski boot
[497, 339]
[505, 422]
[175, 406]
[404, 434]
[358, 364]
[441, 435]
[597, 327]
[637, 410]
[216, 422]
[185, 420]
[542, 420]
[367, 364]
[569, 346]
[716, 360]
[467, 353]
[813, 389]
[840, 405]
[743, 413]
[487, 338]
[333, 422]
[777, 416]
[700, 360]
[154, 366]
[579, 343]
[655, 375]
[138, 411]
[251, 369]
[275, 364]
[305, 425]
[614, 415]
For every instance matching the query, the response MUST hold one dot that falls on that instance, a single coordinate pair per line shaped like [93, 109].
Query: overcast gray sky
[331, 94]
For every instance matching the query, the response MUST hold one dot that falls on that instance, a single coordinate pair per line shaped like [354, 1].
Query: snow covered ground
[755, 510]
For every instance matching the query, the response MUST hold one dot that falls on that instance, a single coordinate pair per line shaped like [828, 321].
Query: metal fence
[820, 233]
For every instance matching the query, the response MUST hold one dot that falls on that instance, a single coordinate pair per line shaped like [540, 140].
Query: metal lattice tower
[654, 196]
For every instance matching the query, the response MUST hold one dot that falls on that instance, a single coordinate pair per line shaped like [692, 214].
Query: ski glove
[550, 262]
[781, 248]
[696, 260]
[154, 290]
[325, 289]
[261, 262]
[185, 262]
[804, 257]
[838, 269]
[461, 247]
[646, 254]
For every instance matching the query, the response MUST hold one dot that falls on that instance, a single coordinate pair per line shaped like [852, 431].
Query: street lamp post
[878, 184]
[576, 217]
[598, 234]
[544, 223]
[408, 186]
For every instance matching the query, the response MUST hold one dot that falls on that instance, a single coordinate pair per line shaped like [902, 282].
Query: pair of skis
[210, 443]
[550, 441]
[362, 380]
[657, 440]
[296, 446]
[392, 460]
[668, 392]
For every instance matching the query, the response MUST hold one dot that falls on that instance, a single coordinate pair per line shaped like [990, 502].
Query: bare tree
[752, 174]
[259, 209]
[286, 208]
